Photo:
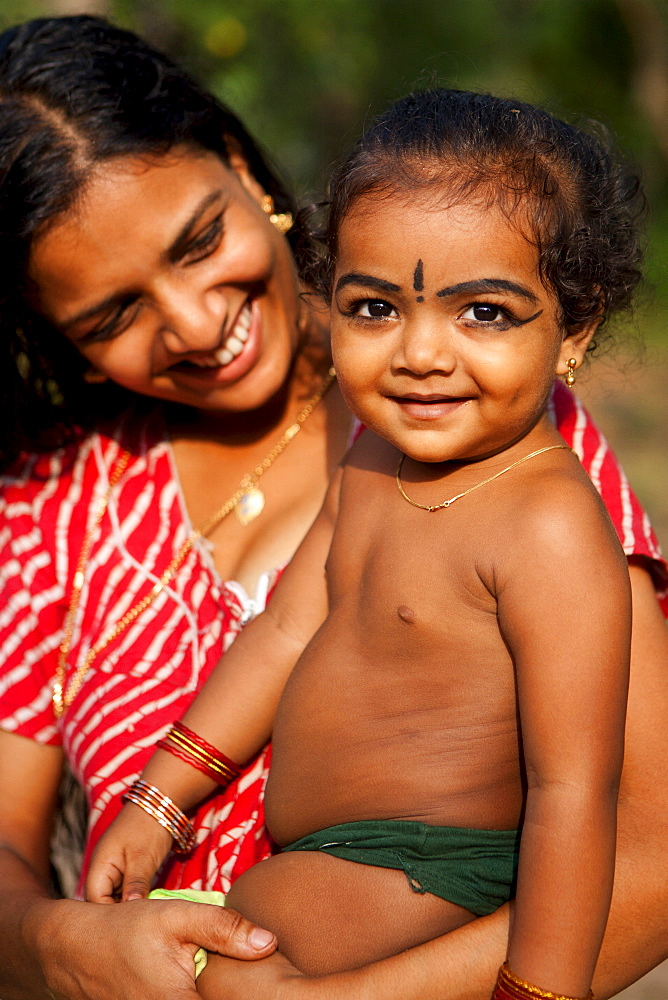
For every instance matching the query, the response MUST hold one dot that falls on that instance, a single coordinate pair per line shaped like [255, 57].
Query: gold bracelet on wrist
[511, 987]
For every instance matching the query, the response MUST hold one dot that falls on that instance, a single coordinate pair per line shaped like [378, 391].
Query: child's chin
[431, 454]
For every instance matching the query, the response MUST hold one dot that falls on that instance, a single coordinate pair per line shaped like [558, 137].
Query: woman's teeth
[232, 347]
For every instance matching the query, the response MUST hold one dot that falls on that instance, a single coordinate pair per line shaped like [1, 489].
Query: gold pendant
[249, 506]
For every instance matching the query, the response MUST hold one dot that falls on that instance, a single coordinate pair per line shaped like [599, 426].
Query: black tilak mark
[419, 298]
[418, 277]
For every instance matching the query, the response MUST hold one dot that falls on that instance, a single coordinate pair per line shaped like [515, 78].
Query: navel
[406, 614]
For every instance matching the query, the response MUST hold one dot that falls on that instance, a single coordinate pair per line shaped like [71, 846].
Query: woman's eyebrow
[178, 245]
[173, 253]
[481, 285]
[103, 306]
[356, 278]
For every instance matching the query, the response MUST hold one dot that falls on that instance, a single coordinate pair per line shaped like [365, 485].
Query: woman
[160, 356]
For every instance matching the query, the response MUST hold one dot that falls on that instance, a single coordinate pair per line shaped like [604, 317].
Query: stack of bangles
[510, 987]
[191, 748]
[167, 813]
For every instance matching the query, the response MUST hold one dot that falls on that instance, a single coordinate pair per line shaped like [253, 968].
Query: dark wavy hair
[581, 204]
[75, 91]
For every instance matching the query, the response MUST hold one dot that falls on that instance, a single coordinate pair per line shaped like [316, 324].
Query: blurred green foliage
[306, 74]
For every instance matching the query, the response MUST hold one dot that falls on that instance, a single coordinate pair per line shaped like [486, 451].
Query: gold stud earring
[282, 220]
[570, 377]
[94, 377]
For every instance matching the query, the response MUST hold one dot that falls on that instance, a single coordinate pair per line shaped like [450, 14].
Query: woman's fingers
[225, 931]
[143, 949]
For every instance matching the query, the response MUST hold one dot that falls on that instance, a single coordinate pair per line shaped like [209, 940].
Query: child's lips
[430, 406]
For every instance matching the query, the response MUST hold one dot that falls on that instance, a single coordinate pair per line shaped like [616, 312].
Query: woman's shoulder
[35, 477]
[599, 461]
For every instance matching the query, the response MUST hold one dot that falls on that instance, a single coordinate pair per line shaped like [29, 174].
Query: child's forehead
[426, 223]
[426, 202]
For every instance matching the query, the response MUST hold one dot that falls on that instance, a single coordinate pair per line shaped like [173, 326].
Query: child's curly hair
[580, 204]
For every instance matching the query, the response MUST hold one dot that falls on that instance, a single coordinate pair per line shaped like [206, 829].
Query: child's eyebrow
[355, 278]
[482, 285]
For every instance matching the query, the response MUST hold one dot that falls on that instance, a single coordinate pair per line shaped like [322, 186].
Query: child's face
[445, 340]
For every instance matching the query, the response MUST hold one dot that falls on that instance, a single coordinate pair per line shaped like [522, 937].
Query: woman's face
[171, 280]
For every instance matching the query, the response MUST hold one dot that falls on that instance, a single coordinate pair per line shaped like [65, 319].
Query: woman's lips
[430, 407]
[234, 359]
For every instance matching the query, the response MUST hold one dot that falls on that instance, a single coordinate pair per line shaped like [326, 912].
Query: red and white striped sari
[147, 677]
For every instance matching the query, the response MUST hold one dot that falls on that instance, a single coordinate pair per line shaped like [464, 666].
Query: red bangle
[162, 809]
[510, 987]
[185, 744]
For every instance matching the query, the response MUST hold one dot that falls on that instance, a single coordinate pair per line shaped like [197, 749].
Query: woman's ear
[238, 163]
[574, 346]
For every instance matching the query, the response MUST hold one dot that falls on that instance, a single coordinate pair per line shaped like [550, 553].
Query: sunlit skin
[154, 269]
[162, 265]
[464, 369]
[426, 636]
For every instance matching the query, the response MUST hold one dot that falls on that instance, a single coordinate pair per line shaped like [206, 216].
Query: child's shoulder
[558, 521]
[559, 497]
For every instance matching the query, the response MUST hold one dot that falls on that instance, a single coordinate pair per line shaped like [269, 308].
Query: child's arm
[564, 611]
[234, 711]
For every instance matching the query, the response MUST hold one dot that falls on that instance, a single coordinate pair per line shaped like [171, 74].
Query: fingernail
[133, 895]
[260, 939]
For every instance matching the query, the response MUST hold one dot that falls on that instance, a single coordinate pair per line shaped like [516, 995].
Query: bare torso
[403, 706]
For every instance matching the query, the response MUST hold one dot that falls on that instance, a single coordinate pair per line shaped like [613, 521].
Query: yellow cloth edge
[201, 956]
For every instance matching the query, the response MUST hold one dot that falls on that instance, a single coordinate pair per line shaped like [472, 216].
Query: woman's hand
[140, 949]
[127, 857]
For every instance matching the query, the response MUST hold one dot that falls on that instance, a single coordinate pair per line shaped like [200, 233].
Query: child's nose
[425, 347]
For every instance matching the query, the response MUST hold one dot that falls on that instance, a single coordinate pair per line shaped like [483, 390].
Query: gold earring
[570, 377]
[282, 220]
[94, 377]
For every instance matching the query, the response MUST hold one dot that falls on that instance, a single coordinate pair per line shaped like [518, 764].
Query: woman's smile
[171, 280]
[235, 357]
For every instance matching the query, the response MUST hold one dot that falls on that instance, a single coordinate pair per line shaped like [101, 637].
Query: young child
[450, 644]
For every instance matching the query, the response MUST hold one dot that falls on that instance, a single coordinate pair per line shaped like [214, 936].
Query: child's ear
[574, 345]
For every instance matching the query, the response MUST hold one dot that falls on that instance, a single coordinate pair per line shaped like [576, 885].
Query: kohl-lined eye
[206, 243]
[373, 309]
[484, 312]
[122, 318]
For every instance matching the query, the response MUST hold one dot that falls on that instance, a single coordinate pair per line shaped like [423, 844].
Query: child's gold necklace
[446, 503]
[63, 696]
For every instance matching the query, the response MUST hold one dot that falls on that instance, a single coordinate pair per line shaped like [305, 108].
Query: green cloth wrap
[193, 896]
[475, 869]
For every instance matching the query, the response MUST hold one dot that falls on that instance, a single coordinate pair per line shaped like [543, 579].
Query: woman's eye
[124, 316]
[484, 312]
[206, 243]
[374, 309]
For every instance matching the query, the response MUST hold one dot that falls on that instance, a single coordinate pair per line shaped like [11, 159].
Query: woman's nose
[193, 322]
[426, 346]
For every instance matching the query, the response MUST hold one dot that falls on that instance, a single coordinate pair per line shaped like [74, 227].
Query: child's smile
[445, 339]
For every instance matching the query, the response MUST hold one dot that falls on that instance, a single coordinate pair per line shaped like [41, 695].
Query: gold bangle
[511, 987]
[162, 809]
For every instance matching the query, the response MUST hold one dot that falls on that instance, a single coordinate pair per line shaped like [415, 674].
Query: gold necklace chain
[446, 503]
[64, 695]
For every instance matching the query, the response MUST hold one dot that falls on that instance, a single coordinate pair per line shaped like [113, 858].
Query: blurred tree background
[306, 74]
